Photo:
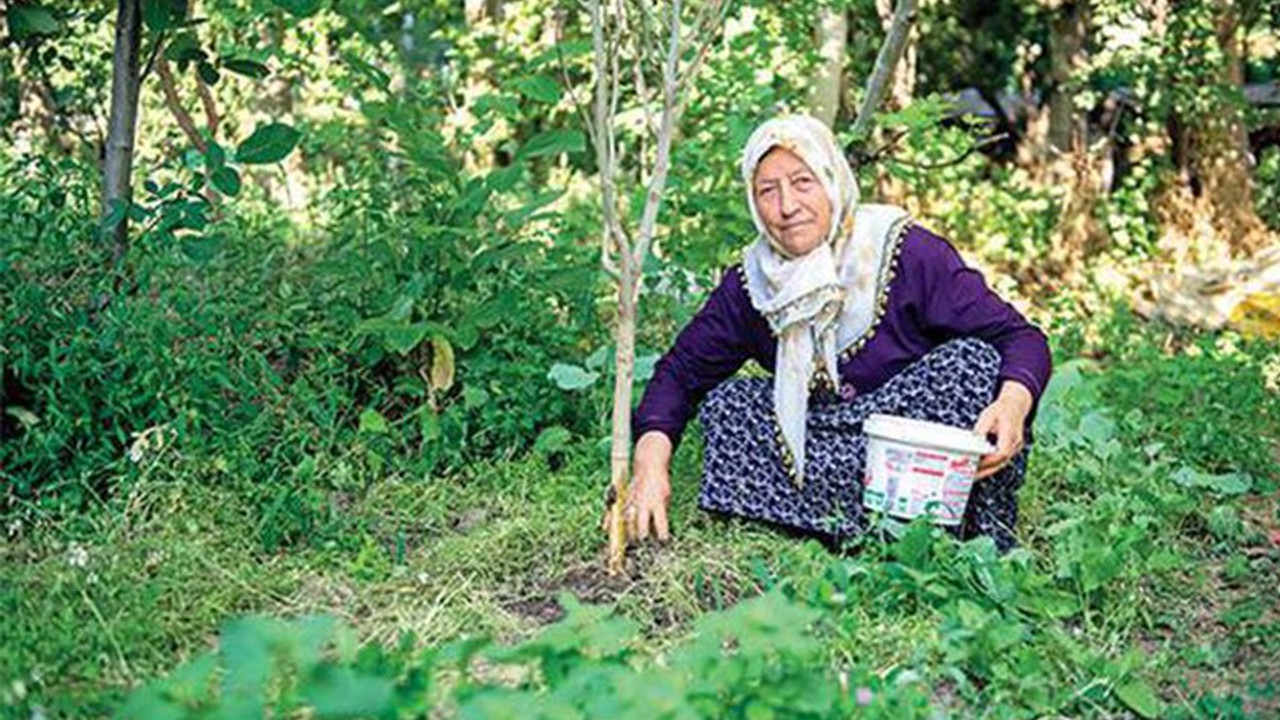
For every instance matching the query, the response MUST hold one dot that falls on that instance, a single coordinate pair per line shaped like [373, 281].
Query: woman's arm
[709, 349]
[956, 302]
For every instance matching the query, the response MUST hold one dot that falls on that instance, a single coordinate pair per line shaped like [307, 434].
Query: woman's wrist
[653, 446]
[1017, 394]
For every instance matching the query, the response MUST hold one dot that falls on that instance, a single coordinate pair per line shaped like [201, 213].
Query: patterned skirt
[743, 472]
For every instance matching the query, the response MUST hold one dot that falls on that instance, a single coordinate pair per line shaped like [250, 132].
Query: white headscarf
[824, 301]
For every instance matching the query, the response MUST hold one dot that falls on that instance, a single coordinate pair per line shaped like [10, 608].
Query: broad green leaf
[247, 68]
[299, 8]
[542, 88]
[644, 367]
[208, 72]
[202, 249]
[442, 364]
[505, 178]
[246, 654]
[183, 49]
[552, 439]
[1140, 698]
[597, 359]
[429, 423]
[553, 142]
[1097, 428]
[269, 143]
[571, 377]
[215, 157]
[338, 692]
[226, 180]
[164, 14]
[403, 338]
[27, 21]
[474, 397]
[373, 422]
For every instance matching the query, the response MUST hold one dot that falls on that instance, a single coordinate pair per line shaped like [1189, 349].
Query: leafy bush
[419, 335]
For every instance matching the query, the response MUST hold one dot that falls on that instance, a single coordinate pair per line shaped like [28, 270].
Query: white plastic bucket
[917, 468]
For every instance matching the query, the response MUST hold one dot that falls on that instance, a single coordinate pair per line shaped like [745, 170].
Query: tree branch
[895, 43]
[662, 160]
[174, 103]
[211, 118]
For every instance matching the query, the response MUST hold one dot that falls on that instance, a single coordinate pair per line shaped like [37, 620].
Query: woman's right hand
[650, 493]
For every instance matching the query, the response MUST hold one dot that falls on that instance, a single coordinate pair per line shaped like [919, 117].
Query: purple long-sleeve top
[933, 297]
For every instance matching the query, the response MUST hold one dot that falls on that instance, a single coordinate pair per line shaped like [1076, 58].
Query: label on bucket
[907, 482]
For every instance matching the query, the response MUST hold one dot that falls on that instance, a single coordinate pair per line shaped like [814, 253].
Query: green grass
[1172, 587]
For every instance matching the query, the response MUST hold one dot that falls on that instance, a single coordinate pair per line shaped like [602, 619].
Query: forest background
[338, 340]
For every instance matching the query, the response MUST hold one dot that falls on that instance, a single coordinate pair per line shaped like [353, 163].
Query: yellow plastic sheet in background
[1258, 315]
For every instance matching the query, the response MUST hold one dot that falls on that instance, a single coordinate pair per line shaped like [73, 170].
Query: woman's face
[791, 202]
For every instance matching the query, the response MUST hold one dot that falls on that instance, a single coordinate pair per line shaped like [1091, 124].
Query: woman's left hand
[1004, 419]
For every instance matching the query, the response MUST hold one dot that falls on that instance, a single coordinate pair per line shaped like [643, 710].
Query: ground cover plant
[317, 422]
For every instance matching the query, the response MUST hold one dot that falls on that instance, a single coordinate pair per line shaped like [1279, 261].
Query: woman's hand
[1005, 419]
[646, 506]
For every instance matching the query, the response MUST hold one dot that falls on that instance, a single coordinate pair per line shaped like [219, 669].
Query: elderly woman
[855, 309]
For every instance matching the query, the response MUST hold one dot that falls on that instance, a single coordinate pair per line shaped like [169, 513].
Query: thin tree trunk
[1221, 156]
[825, 93]
[623, 378]
[1068, 32]
[891, 52]
[898, 81]
[122, 126]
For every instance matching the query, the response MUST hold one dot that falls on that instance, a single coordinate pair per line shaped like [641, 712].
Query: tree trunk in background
[1219, 146]
[1068, 33]
[901, 91]
[1213, 194]
[123, 124]
[825, 93]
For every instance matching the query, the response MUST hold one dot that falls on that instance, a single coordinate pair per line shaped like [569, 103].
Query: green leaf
[1140, 698]
[183, 49]
[542, 88]
[208, 72]
[571, 377]
[405, 337]
[443, 366]
[268, 144]
[22, 415]
[429, 423]
[164, 14]
[504, 179]
[299, 8]
[215, 157]
[247, 68]
[1097, 428]
[202, 249]
[370, 72]
[227, 180]
[338, 692]
[246, 655]
[643, 369]
[552, 439]
[553, 142]
[27, 21]
[1231, 483]
[372, 422]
